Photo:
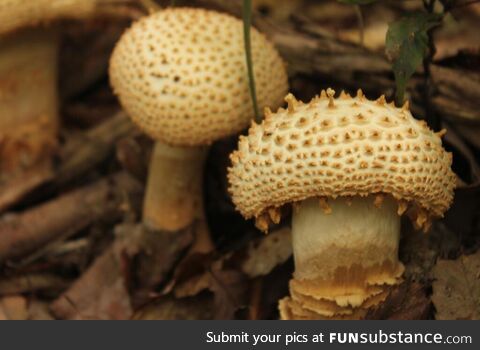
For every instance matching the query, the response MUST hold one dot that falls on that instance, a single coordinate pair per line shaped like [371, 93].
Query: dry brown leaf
[407, 301]
[168, 308]
[456, 290]
[272, 250]
[39, 310]
[227, 284]
[13, 308]
[229, 288]
[102, 292]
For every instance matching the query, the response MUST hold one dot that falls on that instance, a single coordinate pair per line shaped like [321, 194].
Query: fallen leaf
[456, 289]
[13, 308]
[168, 308]
[265, 254]
[229, 288]
[228, 285]
[39, 310]
[137, 254]
[407, 301]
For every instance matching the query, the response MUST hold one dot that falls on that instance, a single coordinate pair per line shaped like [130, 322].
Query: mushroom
[28, 89]
[349, 167]
[181, 75]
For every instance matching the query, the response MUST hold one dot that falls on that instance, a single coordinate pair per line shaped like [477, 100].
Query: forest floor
[73, 247]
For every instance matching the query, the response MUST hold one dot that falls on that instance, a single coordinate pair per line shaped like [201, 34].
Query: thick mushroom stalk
[28, 111]
[346, 252]
[174, 198]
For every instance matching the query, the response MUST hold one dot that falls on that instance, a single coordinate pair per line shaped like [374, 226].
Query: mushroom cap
[346, 146]
[17, 14]
[181, 75]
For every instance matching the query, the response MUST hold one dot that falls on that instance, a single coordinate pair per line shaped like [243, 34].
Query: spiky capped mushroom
[350, 167]
[181, 75]
[28, 88]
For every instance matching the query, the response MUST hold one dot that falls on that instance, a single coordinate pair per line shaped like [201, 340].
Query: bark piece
[23, 233]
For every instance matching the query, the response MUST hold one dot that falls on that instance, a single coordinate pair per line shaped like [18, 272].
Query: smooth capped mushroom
[28, 88]
[349, 167]
[181, 75]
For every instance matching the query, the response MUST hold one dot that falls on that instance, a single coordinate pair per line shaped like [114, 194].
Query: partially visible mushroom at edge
[348, 168]
[28, 88]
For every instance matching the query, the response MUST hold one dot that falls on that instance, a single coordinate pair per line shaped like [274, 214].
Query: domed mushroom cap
[182, 77]
[17, 14]
[341, 147]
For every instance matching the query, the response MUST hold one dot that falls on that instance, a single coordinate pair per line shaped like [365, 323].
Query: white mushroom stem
[174, 194]
[339, 253]
[28, 110]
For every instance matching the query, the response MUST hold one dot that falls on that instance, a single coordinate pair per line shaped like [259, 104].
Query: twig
[361, 24]
[463, 4]
[64, 216]
[430, 112]
[93, 148]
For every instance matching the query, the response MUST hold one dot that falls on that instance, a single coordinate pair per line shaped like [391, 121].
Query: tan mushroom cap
[346, 146]
[182, 77]
[17, 14]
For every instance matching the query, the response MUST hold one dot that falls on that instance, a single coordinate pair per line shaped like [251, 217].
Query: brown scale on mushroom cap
[345, 146]
[192, 87]
[16, 14]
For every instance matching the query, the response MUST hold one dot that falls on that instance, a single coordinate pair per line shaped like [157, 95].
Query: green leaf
[247, 22]
[357, 2]
[407, 45]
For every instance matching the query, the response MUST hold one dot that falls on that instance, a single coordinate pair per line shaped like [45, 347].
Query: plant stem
[430, 112]
[247, 21]
[361, 24]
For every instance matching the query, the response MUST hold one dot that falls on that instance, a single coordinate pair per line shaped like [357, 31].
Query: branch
[64, 216]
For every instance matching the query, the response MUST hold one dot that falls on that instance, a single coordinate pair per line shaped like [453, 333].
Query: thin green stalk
[247, 22]
[361, 25]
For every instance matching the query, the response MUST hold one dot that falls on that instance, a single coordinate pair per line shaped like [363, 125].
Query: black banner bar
[199, 335]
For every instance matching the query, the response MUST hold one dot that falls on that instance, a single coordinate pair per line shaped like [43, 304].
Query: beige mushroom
[350, 167]
[181, 75]
[28, 88]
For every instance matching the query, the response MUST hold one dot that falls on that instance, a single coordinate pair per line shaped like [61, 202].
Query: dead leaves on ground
[137, 257]
[456, 289]
[230, 280]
